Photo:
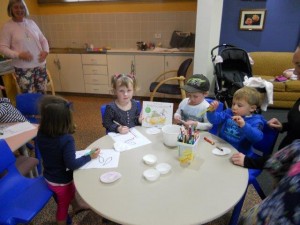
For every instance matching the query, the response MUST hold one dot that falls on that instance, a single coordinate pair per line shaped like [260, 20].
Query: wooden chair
[162, 85]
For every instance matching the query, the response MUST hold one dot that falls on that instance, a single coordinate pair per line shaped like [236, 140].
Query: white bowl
[170, 134]
[151, 174]
[163, 168]
[150, 159]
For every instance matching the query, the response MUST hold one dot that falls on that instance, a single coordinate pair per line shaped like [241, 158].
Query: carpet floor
[89, 128]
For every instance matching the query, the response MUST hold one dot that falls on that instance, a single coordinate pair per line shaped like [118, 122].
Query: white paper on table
[108, 158]
[132, 139]
[15, 129]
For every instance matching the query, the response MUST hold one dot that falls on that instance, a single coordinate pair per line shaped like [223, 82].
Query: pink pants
[64, 195]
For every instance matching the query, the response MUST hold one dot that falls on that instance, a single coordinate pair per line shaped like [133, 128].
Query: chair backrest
[103, 108]
[27, 104]
[266, 145]
[215, 128]
[21, 197]
[184, 66]
[50, 84]
[7, 158]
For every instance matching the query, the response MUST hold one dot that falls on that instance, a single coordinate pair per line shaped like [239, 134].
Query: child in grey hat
[192, 110]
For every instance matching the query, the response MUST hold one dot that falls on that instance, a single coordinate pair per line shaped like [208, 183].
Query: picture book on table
[157, 114]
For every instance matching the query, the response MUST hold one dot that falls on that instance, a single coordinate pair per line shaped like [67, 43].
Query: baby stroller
[230, 67]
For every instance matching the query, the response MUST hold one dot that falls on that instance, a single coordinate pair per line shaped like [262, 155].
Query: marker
[91, 152]
[209, 141]
[204, 111]
[115, 122]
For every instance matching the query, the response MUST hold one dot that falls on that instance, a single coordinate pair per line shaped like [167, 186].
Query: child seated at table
[241, 125]
[123, 113]
[8, 113]
[57, 148]
[192, 110]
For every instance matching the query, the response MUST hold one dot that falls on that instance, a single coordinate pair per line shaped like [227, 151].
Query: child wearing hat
[192, 110]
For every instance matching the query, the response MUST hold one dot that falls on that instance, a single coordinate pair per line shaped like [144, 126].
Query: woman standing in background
[22, 40]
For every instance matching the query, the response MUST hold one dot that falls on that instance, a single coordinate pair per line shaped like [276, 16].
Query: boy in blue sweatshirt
[241, 126]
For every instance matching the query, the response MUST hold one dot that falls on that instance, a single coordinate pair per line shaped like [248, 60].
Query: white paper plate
[150, 159]
[110, 177]
[163, 168]
[151, 174]
[153, 130]
[225, 151]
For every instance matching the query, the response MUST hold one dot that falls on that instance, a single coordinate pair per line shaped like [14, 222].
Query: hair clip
[69, 105]
[117, 76]
[132, 76]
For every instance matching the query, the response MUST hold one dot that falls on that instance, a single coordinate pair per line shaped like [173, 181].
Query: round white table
[199, 193]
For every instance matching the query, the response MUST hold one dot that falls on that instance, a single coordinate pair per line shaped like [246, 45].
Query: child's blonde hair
[249, 94]
[123, 80]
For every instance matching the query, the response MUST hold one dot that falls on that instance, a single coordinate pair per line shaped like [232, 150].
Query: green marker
[91, 152]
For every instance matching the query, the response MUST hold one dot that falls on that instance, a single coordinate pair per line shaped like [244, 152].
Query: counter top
[129, 50]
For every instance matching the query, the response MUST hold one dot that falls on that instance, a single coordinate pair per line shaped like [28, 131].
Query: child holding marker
[192, 110]
[57, 148]
[123, 113]
[241, 126]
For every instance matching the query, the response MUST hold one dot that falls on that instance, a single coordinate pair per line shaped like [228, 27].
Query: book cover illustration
[157, 114]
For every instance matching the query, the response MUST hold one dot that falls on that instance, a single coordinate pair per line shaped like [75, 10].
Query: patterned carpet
[89, 128]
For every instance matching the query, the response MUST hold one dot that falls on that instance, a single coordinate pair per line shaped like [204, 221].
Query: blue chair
[103, 108]
[27, 104]
[21, 198]
[265, 147]
[215, 128]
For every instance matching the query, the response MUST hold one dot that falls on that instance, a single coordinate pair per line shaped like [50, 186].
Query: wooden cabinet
[53, 67]
[96, 79]
[91, 73]
[120, 63]
[66, 71]
[147, 67]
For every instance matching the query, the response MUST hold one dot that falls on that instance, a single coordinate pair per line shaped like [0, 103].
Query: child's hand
[177, 119]
[95, 154]
[238, 159]
[213, 106]
[239, 120]
[274, 123]
[123, 129]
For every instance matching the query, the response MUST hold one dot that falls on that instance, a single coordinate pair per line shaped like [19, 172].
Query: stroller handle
[218, 46]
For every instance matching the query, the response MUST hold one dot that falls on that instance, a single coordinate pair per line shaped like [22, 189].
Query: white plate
[151, 174]
[225, 151]
[153, 130]
[163, 168]
[110, 177]
[150, 159]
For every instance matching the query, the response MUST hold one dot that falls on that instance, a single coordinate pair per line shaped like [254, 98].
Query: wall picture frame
[252, 19]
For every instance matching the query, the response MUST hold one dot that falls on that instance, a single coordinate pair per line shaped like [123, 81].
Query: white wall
[208, 29]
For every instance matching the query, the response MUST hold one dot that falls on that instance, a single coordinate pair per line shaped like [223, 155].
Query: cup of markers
[187, 142]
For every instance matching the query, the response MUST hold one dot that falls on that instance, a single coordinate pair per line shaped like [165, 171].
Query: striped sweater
[8, 113]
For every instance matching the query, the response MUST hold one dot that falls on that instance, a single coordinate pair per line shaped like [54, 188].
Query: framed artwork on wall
[252, 19]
